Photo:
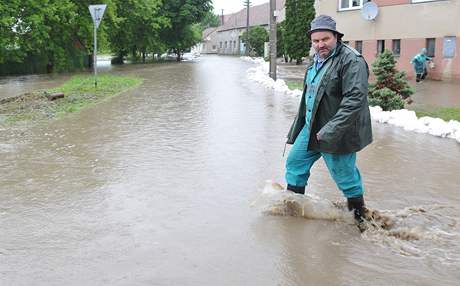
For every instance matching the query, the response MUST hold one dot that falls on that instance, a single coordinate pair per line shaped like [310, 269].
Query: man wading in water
[333, 120]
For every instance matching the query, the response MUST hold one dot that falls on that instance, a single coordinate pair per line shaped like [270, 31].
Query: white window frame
[350, 2]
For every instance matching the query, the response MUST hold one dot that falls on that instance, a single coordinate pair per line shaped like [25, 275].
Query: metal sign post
[97, 11]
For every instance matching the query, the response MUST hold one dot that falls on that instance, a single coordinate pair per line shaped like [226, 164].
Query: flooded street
[156, 187]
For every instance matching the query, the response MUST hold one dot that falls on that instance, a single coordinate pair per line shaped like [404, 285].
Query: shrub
[391, 89]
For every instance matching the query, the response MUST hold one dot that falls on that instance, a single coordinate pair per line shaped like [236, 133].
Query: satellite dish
[370, 11]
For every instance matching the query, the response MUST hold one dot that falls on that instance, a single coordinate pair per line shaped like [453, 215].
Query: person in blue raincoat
[419, 63]
[333, 121]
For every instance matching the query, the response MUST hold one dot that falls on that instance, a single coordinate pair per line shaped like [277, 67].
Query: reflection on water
[155, 186]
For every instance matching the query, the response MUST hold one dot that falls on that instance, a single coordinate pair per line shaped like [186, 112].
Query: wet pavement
[155, 187]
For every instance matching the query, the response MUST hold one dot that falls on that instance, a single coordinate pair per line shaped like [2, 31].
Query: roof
[258, 15]
[208, 32]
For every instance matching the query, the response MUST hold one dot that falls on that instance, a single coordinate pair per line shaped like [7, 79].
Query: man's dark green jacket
[340, 115]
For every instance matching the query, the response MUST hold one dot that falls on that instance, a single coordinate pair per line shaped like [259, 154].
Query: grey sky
[231, 6]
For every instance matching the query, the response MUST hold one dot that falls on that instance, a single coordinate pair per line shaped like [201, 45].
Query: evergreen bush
[391, 89]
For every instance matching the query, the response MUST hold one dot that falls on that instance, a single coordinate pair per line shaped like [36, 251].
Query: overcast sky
[231, 6]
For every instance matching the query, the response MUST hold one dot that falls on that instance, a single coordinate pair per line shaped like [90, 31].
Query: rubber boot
[356, 205]
[295, 189]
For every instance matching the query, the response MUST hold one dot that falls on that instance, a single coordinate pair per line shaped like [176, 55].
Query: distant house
[404, 27]
[227, 39]
[208, 43]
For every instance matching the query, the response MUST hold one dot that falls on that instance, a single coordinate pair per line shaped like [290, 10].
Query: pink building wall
[382, 3]
[444, 68]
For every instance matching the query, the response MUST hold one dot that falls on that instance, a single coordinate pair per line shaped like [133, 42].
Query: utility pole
[272, 45]
[247, 3]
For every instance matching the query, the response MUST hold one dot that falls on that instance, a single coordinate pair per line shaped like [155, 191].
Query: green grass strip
[443, 113]
[295, 85]
[79, 93]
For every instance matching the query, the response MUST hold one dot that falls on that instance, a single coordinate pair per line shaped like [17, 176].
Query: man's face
[323, 42]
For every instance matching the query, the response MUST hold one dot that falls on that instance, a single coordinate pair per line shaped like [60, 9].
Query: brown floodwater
[157, 187]
[431, 94]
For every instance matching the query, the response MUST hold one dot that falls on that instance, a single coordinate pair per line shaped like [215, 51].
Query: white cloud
[231, 6]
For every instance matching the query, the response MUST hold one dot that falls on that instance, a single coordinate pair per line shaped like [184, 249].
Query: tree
[45, 30]
[54, 33]
[280, 40]
[182, 14]
[137, 28]
[299, 14]
[391, 87]
[8, 19]
[257, 37]
[210, 20]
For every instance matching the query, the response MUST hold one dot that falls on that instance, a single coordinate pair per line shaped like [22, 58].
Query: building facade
[404, 27]
[228, 38]
[208, 43]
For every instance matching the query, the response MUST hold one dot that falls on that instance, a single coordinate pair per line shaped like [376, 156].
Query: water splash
[416, 231]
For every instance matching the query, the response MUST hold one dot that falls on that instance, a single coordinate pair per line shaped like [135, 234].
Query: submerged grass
[79, 91]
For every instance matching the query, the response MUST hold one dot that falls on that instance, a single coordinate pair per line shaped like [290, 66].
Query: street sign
[97, 11]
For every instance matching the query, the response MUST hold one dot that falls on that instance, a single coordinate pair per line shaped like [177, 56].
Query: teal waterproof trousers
[341, 167]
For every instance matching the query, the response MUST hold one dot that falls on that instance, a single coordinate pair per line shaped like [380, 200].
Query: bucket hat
[324, 22]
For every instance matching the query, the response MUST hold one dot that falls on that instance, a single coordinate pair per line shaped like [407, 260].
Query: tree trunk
[90, 60]
[134, 55]
[49, 67]
[143, 57]
[179, 56]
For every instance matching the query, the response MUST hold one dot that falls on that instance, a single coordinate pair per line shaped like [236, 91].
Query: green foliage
[257, 37]
[386, 98]
[182, 14]
[136, 30]
[391, 87]
[60, 32]
[299, 14]
[280, 39]
[210, 20]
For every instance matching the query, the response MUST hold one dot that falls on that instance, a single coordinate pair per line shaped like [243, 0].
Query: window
[214, 47]
[225, 45]
[359, 46]
[221, 45]
[396, 48]
[380, 46]
[234, 44]
[351, 4]
[448, 50]
[430, 47]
